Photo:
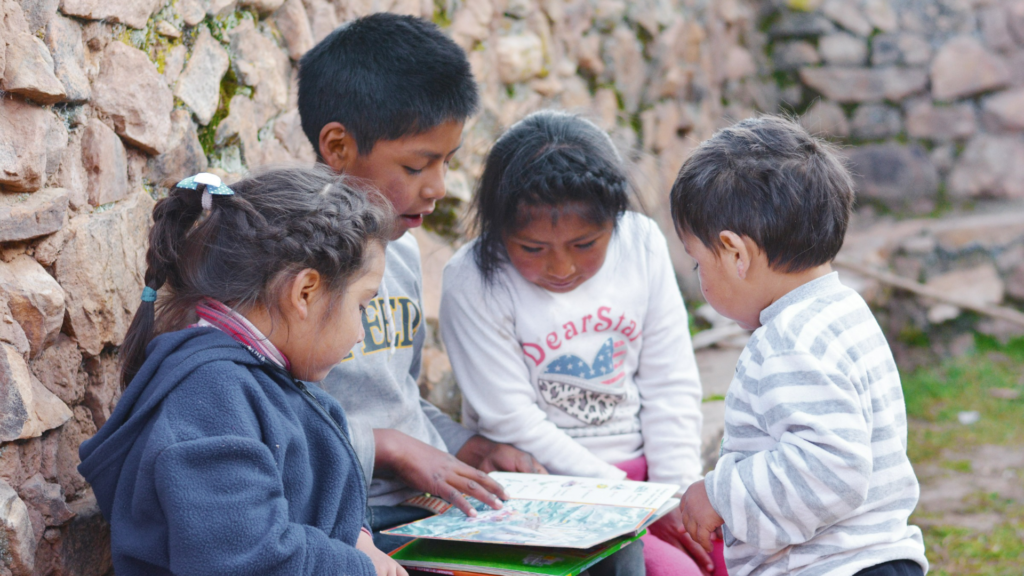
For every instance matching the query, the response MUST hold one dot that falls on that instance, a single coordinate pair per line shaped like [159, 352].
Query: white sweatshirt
[582, 380]
[814, 477]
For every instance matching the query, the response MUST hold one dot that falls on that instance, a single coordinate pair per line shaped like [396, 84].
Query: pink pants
[660, 557]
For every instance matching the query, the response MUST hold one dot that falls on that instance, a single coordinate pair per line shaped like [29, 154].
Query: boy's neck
[778, 284]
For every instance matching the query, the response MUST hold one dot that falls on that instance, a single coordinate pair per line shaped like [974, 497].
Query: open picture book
[469, 559]
[551, 511]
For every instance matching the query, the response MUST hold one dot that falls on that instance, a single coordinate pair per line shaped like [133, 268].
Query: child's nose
[561, 267]
[433, 188]
[362, 335]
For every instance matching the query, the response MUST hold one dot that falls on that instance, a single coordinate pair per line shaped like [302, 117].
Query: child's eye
[695, 265]
[531, 249]
[586, 245]
[412, 171]
[362, 308]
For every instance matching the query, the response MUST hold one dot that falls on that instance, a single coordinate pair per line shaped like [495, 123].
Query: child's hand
[488, 456]
[699, 517]
[670, 529]
[423, 467]
[382, 563]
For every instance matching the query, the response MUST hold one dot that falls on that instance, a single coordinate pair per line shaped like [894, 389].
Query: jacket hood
[170, 358]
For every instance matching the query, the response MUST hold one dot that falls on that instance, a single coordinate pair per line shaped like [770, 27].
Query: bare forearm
[387, 454]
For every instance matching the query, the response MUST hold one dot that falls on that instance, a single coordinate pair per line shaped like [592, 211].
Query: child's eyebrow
[571, 240]
[430, 154]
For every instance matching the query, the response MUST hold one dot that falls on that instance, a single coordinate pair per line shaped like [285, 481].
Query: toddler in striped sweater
[813, 477]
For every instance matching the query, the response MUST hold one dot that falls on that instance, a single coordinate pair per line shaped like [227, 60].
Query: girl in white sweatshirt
[566, 328]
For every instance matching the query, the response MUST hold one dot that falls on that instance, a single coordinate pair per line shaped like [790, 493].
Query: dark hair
[768, 179]
[251, 245]
[547, 159]
[384, 76]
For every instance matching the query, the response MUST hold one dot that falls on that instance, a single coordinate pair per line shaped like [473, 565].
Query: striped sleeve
[820, 467]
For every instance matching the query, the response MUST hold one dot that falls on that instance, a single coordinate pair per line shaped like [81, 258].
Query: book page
[668, 506]
[530, 522]
[585, 490]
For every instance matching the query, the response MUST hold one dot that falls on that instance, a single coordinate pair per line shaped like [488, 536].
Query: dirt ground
[950, 487]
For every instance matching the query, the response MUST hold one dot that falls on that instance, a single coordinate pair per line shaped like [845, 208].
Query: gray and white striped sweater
[814, 477]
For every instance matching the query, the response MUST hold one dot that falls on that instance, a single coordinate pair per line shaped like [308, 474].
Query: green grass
[957, 465]
[934, 397]
[956, 551]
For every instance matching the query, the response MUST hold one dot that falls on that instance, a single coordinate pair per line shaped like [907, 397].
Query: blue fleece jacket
[216, 463]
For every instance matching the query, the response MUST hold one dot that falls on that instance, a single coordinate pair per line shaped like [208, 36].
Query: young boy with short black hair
[813, 476]
[384, 99]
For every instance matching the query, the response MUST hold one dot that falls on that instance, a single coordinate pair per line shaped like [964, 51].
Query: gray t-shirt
[376, 382]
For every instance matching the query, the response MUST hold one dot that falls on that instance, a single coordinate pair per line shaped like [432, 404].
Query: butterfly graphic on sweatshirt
[587, 391]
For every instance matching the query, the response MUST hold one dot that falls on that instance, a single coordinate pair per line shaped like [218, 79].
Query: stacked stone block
[976, 257]
[929, 92]
[926, 98]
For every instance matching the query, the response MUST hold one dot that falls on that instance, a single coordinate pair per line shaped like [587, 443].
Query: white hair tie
[212, 186]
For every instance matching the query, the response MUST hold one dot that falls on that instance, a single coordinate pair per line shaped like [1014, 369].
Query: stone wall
[927, 97]
[931, 92]
[976, 258]
[104, 104]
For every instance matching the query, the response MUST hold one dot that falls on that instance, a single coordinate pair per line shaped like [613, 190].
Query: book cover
[468, 559]
[550, 511]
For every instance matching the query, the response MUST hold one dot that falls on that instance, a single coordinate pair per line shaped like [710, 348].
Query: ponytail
[173, 217]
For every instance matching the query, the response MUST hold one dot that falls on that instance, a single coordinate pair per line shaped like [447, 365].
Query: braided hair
[548, 159]
[250, 245]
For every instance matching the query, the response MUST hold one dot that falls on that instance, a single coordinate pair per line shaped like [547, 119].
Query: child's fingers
[534, 466]
[483, 489]
[525, 462]
[700, 555]
[705, 539]
[489, 484]
[700, 537]
[455, 498]
[696, 532]
[689, 524]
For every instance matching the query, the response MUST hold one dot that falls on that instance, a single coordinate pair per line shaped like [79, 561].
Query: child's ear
[338, 147]
[305, 288]
[736, 252]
